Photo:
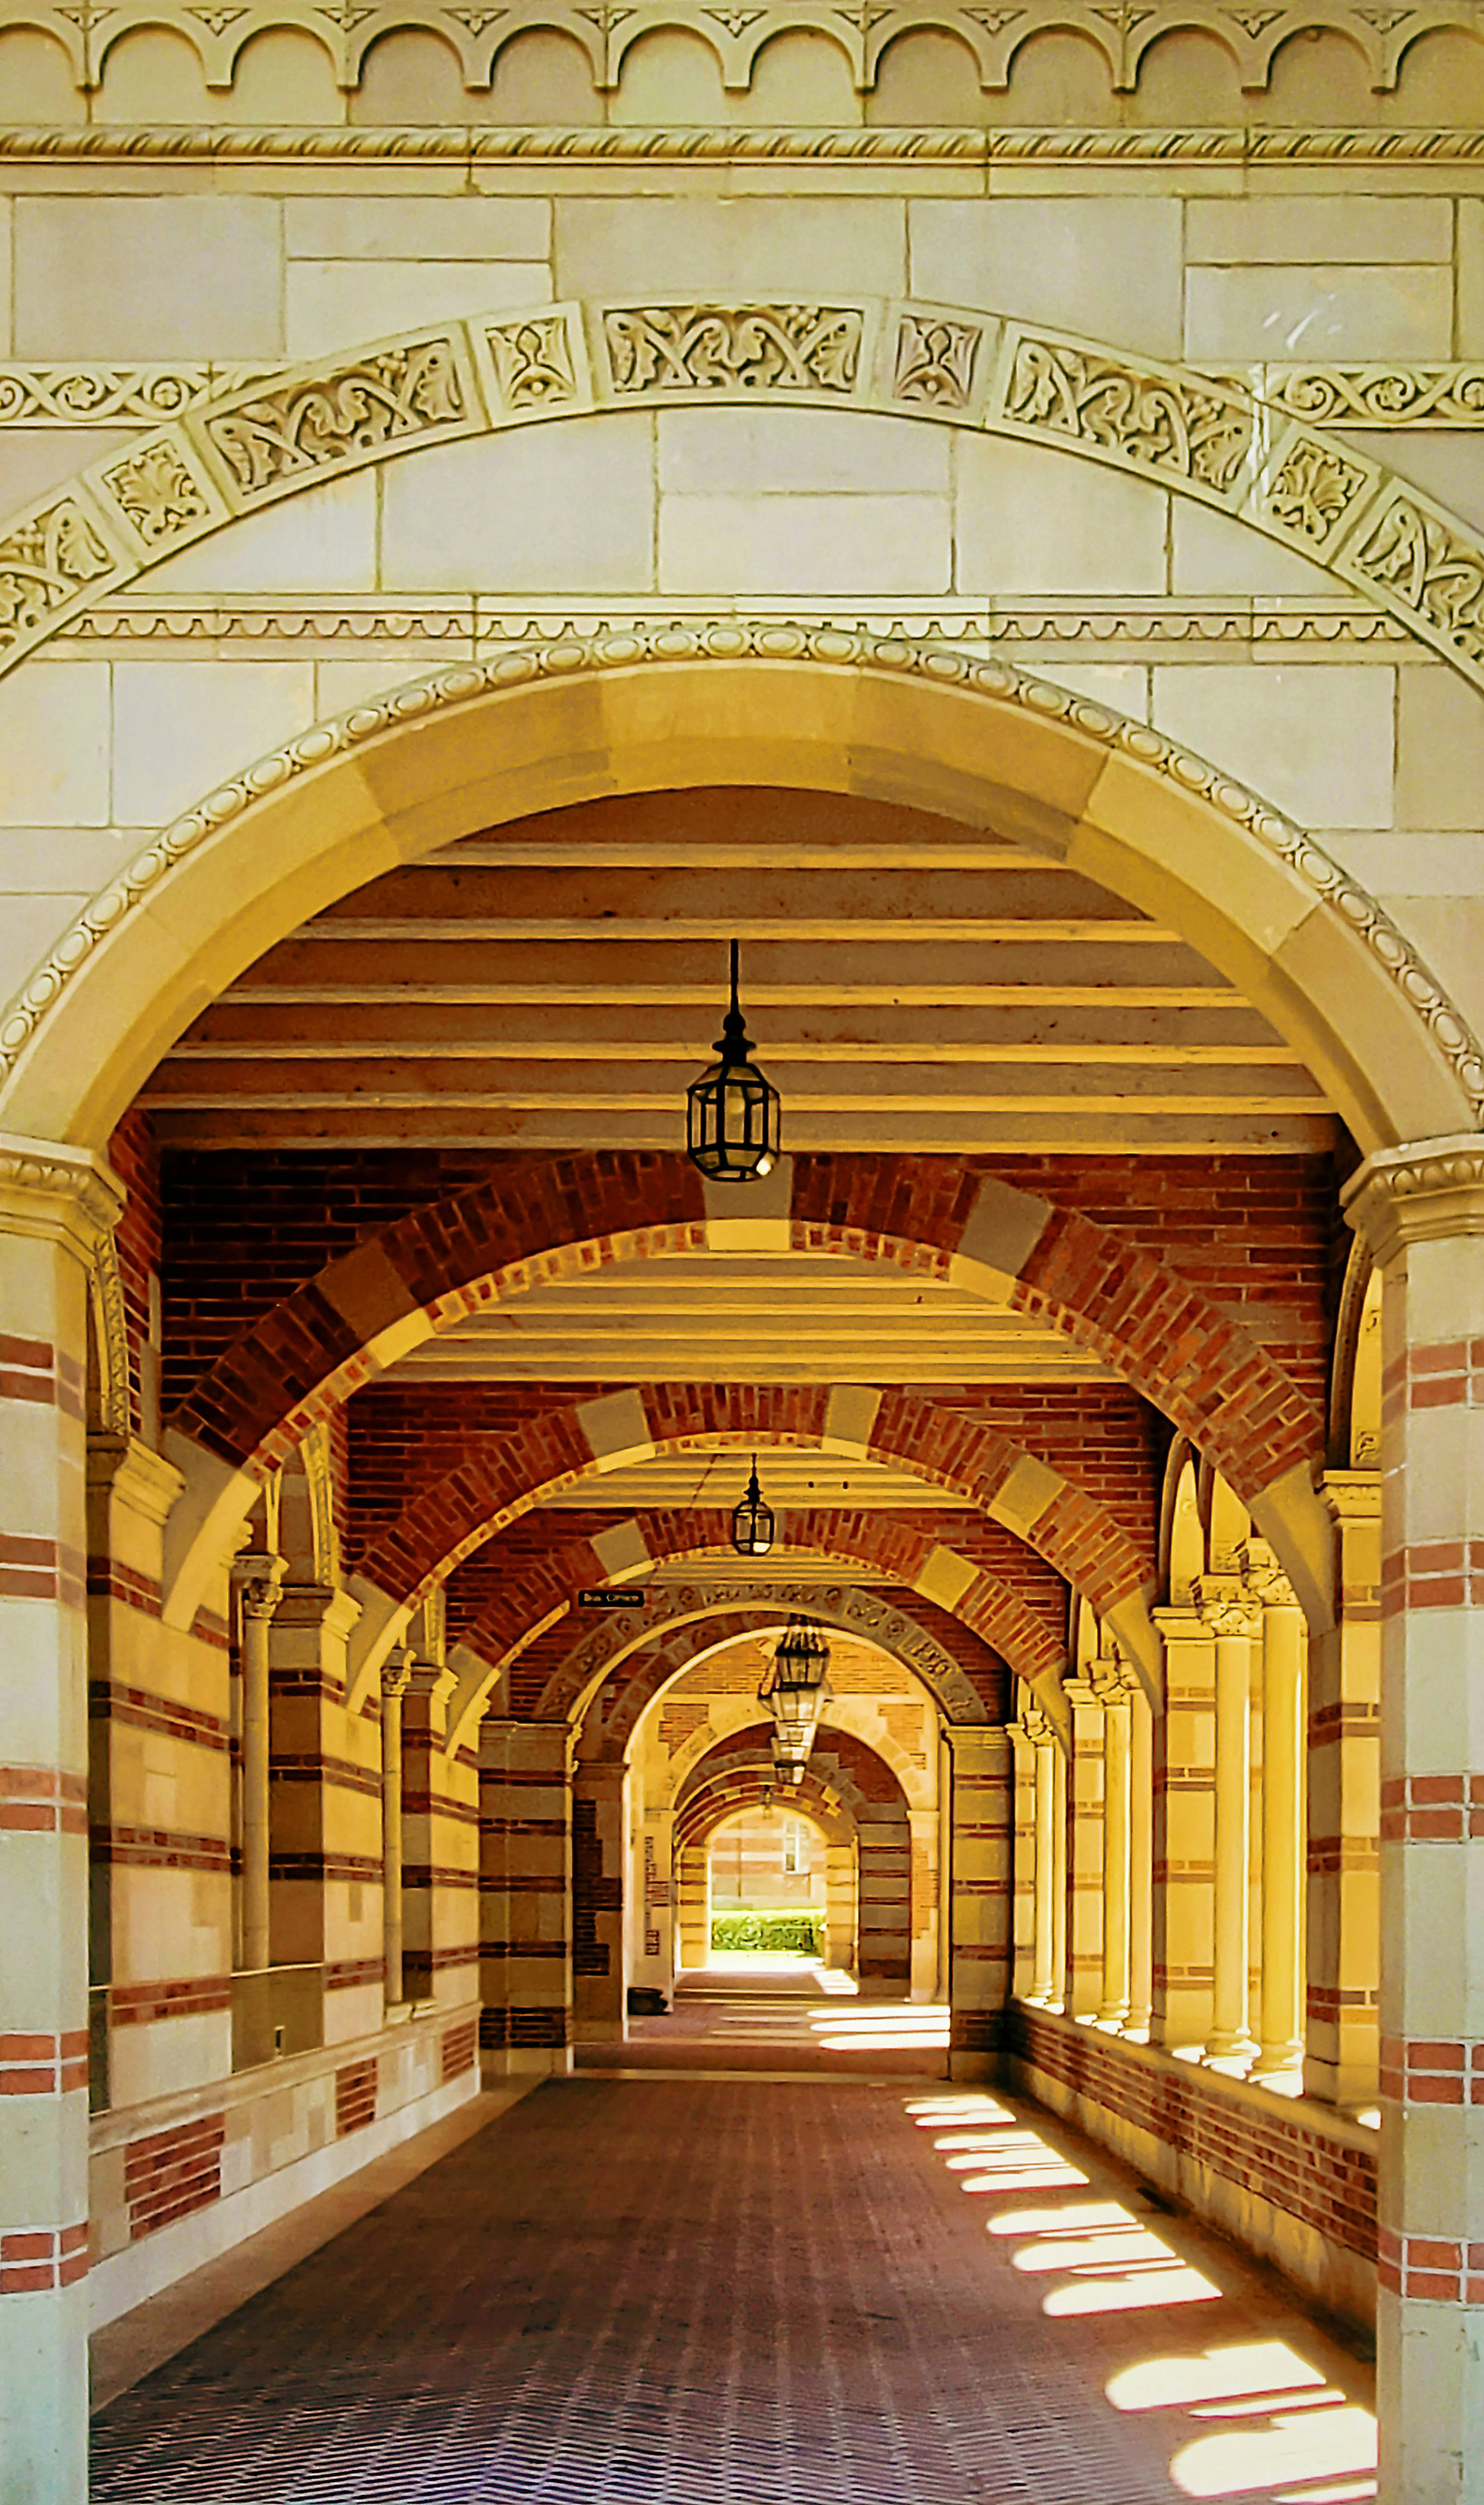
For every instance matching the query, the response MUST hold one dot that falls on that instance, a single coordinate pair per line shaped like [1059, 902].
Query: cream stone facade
[986, 508]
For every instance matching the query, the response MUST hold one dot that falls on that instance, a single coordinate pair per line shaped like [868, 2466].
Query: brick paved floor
[701, 2291]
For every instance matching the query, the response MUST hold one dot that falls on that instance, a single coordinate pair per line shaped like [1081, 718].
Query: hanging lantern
[787, 1763]
[794, 1689]
[730, 1111]
[752, 1521]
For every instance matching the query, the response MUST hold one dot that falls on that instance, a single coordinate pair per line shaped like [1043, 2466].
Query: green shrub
[802, 1934]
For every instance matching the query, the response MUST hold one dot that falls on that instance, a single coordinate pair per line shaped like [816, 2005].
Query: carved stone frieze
[535, 363]
[158, 495]
[348, 411]
[1388, 395]
[49, 558]
[936, 361]
[736, 32]
[88, 395]
[1150, 419]
[1314, 488]
[701, 348]
[1420, 560]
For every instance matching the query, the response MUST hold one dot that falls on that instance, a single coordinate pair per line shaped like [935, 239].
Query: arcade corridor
[694, 2286]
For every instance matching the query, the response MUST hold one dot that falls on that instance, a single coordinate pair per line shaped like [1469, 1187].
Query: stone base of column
[523, 2043]
[524, 2061]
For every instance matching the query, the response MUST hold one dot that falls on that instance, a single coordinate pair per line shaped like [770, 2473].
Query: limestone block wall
[176, 2179]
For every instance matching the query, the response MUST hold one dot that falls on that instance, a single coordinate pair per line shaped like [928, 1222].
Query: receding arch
[502, 1476]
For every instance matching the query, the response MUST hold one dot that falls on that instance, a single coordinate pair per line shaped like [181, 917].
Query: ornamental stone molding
[728, 641]
[1422, 1194]
[854, 1611]
[53, 1190]
[1122, 34]
[1227, 1608]
[246, 444]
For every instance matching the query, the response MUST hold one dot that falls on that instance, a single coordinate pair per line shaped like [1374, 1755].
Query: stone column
[599, 1967]
[1280, 2021]
[1060, 1818]
[1421, 1210]
[55, 1204]
[440, 1846]
[1024, 1965]
[1141, 1859]
[1343, 1929]
[981, 1889]
[1112, 1683]
[840, 1906]
[1086, 1846]
[654, 1928]
[1042, 1974]
[1235, 1619]
[1184, 1834]
[394, 1675]
[693, 1907]
[525, 1895]
[258, 1579]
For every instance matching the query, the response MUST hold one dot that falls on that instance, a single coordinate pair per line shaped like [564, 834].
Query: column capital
[62, 1194]
[1351, 1495]
[977, 1739]
[1226, 1606]
[257, 1578]
[1263, 1577]
[395, 1677]
[1036, 1724]
[1421, 1193]
[1109, 1678]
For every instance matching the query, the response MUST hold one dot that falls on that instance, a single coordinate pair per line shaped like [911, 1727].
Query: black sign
[610, 1599]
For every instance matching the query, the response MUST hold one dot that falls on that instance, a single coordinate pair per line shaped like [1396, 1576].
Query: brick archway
[850, 1781]
[502, 1476]
[1211, 1377]
[510, 1624]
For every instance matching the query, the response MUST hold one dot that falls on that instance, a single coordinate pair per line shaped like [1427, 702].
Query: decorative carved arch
[500, 1477]
[1218, 440]
[700, 1616]
[508, 1626]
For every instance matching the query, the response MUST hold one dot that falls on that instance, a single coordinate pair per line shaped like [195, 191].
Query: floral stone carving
[745, 347]
[1158, 421]
[348, 414]
[46, 562]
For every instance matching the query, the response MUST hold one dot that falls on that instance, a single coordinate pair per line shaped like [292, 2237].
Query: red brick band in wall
[502, 2029]
[141, 2004]
[107, 1701]
[1433, 1574]
[31, 1371]
[33, 2065]
[1448, 1375]
[110, 1581]
[41, 1570]
[40, 1800]
[172, 2172]
[36, 2260]
[157, 1848]
[1431, 1808]
[459, 2045]
[1430, 2072]
[1431, 2266]
[354, 2097]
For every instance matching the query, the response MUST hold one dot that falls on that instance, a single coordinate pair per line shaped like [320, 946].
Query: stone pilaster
[600, 1964]
[1422, 1210]
[1045, 1982]
[524, 1896]
[1343, 1929]
[1086, 1852]
[1113, 1685]
[55, 1205]
[1184, 1834]
[1234, 1617]
[981, 1889]
[395, 1677]
[1141, 1854]
[257, 1586]
[440, 1844]
[1280, 1999]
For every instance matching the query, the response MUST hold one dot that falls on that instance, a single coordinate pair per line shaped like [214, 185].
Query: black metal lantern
[788, 1761]
[794, 1688]
[730, 1111]
[752, 1521]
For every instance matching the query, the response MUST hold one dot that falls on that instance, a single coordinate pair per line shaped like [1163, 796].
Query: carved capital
[395, 1677]
[1423, 1193]
[1228, 1608]
[1109, 1678]
[1353, 1495]
[64, 1194]
[257, 1579]
[1262, 1575]
[1036, 1725]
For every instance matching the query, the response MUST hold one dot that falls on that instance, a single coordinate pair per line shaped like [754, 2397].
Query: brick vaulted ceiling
[915, 987]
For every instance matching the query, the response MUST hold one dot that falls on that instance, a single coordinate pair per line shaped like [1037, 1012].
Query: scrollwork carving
[100, 395]
[1379, 394]
[1157, 421]
[45, 562]
[347, 415]
[1420, 560]
[734, 347]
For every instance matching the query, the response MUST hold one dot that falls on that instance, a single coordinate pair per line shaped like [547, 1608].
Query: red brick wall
[171, 2172]
[134, 1158]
